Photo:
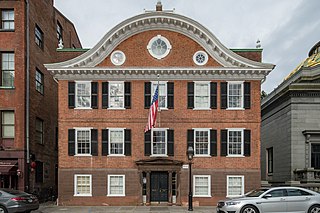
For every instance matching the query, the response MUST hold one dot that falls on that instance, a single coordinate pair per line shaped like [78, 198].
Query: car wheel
[249, 209]
[3, 209]
[314, 209]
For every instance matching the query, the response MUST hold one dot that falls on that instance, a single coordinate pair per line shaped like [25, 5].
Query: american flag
[153, 111]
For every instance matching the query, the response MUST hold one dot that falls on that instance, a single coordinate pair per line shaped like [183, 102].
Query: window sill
[116, 195]
[83, 155]
[155, 156]
[84, 195]
[8, 88]
[235, 109]
[202, 196]
[202, 156]
[270, 174]
[114, 155]
[235, 156]
[7, 30]
[208, 109]
[82, 108]
[110, 108]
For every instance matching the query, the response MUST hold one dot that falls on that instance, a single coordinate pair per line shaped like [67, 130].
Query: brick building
[28, 93]
[209, 99]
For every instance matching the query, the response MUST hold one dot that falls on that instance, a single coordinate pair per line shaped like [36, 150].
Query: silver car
[275, 200]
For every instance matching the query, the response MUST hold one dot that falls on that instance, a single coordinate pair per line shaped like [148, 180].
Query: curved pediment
[159, 21]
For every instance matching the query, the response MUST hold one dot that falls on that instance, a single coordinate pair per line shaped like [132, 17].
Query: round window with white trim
[200, 58]
[118, 57]
[159, 47]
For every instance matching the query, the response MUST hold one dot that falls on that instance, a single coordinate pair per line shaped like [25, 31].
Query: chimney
[159, 6]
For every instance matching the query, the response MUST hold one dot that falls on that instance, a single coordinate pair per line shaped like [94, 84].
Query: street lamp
[190, 153]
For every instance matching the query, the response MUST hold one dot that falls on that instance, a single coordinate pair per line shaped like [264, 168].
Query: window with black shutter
[170, 91]
[71, 142]
[190, 138]
[213, 95]
[147, 143]
[127, 142]
[94, 95]
[105, 95]
[170, 141]
[247, 142]
[224, 142]
[213, 142]
[105, 140]
[127, 95]
[223, 95]
[147, 95]
[190, 91]
[94, 142]
[247, 96]
[71, 95]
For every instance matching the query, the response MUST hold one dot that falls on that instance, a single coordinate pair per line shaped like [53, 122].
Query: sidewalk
[51, 208]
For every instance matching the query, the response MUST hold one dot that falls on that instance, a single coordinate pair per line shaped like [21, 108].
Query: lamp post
[190, 153]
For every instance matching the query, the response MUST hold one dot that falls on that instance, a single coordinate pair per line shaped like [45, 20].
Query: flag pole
[158, 76]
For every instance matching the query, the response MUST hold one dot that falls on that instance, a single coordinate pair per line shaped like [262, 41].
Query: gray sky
[287, 29]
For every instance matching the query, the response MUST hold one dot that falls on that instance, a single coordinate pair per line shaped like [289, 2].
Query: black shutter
[105, 135]
[213, 142]
[127, 95]
[247, 142]
[170, 140]
[94, 142]
[147, 95]
[190, 138]
[127, 142]
[190, 95]
[170, 88]
[94, 95]
[224, 95]
[71, 142]
[147, 143]
[213, 95]
[71, 95]
[105, 94]
[224, 142]
[247, 97]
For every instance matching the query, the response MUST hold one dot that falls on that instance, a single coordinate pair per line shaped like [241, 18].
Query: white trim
[195, 94]
[109, 96]
[241, 92]
[242, 141]
[194, 141]
[76, 141]
[242, 185]
[209, 185]
[165, 40]
[166, 142]
[109, 142]
[117, 63]
[153, 83]
[75, 185]
[123, 184]
[76, 94]
[204, 54]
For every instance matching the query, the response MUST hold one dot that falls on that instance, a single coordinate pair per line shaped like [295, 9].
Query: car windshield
[255, 193]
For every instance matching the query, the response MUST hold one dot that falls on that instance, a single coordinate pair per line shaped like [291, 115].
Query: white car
[275, 200]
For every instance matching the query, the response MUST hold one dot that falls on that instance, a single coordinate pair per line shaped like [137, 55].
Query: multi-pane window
[7, 69]
[235, 142]
[202, 95]
[202, 185]
[201, 142]
[116, 185]
[7, 19]
[83, 141]
[39, 131]
[116, 95]
[235, 95]
[159, 142]
[315, 155]
[7, 124]
[38, 36]
[83, 94]
[82, 185]
[116, 137]
[162, 93]
[270, 160]
[235, 186]
[39, 81]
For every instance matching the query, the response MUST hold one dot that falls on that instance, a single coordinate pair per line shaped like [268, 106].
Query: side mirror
[267, 196]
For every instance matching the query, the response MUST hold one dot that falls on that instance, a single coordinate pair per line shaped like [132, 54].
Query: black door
[159, 187]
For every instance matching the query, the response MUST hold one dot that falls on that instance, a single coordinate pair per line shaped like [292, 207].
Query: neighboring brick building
[209, 98]
[29, 37]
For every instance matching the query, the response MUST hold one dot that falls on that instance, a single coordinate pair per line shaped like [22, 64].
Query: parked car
[12, 201]
[277, 199]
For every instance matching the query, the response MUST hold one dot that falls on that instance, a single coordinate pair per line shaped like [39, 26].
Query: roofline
[246, 50]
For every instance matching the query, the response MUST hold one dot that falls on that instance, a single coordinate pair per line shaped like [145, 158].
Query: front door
[159, 187]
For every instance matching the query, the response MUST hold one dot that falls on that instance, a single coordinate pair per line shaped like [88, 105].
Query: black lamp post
[190, 153]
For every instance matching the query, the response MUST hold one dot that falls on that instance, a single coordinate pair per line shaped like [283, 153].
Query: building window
[7, 69]
[235, 142]
[39, 81]
[159, 142]
[200, 58]
[235, 95]
[270, 160]
[162, 93]
[7, 19]
[315, 155]
[83, 94]
[202, 185]
[116, 141]
[235, 186]
[39, 172]
[201, 142]
[38, 36]
[83, 142]
[116, 185]
[59, 32]
[159, 47]
[7, 124]
[39, 131]
[202, 95]
[118, 57]
[82, 185]
[116, 94]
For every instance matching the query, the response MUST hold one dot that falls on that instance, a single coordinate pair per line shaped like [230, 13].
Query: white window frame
[195, 95]
[5, 125]
[241, 107]
[209, 185]
[153, 86]
[8, 70]
[109, 94]
[202, 53]
[109, 142]
[242, 142]
[75, 185]
[123, 184]
[242, 184]
[76, 93]
[4, 21]
[166, 142]
[76, 141]
[194, 141]
[165, 40]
